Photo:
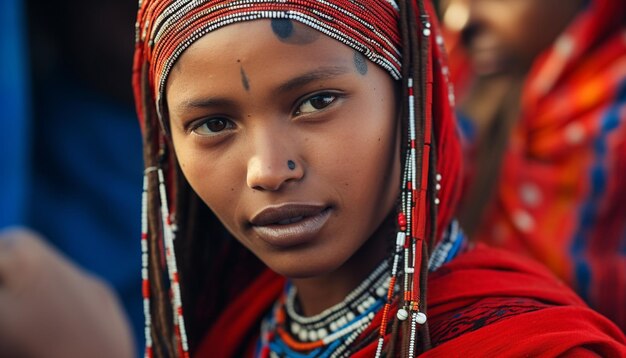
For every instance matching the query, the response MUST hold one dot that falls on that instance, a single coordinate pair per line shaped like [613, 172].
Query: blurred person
[547, 120]
[73, 159]
[51, 308]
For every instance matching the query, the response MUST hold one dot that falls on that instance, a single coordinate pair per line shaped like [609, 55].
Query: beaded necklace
[286, 333]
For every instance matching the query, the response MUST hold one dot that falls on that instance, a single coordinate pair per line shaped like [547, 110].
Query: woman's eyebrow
[322, 73]
[203, 103]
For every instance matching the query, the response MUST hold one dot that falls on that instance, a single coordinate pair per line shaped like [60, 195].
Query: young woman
[302, 170]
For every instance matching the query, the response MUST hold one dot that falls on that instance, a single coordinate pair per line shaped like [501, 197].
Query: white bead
[402, 314]
[321, 333]
[333, 326]
[303, 336]
[400, 238]
[313, 336]
[437, 201]
[295, 328]
[438, 186]
[350, 316]
[530, 194]
[438, 177]
[381, 291]
[426, 32]
[420, 318]
[523, 221]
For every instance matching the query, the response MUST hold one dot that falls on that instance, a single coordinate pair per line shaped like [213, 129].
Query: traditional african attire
[484, 303]
[560, 197]
[475, 295]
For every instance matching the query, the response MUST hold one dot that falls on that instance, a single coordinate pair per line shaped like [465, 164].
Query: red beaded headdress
[400, 36]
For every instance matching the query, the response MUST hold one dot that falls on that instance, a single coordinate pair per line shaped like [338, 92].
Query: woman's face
[290, 137]
[506, 35]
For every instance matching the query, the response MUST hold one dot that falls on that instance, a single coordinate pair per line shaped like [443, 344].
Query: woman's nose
[272, 166]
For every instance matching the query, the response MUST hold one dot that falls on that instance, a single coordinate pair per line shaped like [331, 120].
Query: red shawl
[485, 303]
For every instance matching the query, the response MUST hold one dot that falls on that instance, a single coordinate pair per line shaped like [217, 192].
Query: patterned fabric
[562, 193]
[484, 303]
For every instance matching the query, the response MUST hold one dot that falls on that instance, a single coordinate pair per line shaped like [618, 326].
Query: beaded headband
[378, 29]
[362, 26]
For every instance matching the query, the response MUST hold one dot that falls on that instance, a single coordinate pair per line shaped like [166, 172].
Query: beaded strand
[170, 258]
[145, 281]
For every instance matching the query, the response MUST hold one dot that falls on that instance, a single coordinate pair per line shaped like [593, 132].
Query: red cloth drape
[485, 303]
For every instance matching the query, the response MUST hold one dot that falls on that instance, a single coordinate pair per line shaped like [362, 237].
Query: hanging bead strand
[145, 281]
[170, 257]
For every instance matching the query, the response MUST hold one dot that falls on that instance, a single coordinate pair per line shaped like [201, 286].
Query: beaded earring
[145, 281]
[410, 247]
[169, 234]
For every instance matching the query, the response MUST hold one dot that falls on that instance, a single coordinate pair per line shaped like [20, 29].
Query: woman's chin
[296, 268]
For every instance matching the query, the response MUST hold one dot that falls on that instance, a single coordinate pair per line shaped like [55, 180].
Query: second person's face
[291, 138]
[505, 36]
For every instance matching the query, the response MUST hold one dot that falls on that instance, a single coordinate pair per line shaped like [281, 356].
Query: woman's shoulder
[495, 303]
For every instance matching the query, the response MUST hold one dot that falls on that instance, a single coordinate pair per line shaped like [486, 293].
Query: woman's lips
[288, 225]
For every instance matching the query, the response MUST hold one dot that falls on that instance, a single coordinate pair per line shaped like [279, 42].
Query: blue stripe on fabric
[598, 177]
[460, 239]
[467, 127]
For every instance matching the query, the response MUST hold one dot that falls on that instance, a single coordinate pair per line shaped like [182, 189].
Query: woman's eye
[316, 103]
[213, 126]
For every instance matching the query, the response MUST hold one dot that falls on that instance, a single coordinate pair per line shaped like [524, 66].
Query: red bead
[402, 221]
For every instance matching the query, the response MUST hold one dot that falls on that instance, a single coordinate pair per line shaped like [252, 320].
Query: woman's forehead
[268, 44]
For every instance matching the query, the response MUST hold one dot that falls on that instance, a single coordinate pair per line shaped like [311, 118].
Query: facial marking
[291, 164]
[244, 79]
[293, 33]
[283, 28]
[361, 63]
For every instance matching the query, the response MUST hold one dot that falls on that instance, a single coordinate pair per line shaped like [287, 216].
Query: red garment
[484, 303]
[561, 194]
[488, 289]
